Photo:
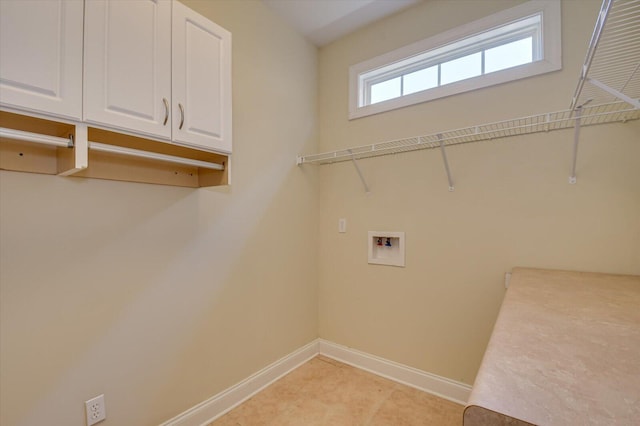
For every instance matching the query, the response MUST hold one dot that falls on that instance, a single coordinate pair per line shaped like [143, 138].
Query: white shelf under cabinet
[38, 145]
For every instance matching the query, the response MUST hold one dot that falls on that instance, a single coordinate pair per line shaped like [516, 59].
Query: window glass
[519, 42]
[386, 90]
[461, 68]
[508, 55]
[420, 80]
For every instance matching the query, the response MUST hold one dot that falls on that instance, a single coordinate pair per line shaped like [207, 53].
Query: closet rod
[21, 135]
[113, 149]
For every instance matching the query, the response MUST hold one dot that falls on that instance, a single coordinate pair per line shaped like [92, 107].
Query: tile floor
[326, 392]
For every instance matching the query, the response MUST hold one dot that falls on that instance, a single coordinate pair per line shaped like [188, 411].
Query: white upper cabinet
[127, 65]
[201, 81]
[41, 56]
[152, 68]
[158, 72]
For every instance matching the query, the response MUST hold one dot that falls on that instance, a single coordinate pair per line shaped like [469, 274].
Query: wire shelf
[611, 69]
[591, 115]
[608, 91]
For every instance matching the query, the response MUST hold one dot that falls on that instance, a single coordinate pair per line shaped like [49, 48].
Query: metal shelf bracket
[576, 140]
[446, 163]
[614, 92]
[355, 164]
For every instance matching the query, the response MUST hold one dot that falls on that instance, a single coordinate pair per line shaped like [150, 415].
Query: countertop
[565, 350]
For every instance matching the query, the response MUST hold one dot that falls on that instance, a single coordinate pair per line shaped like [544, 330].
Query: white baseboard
[427, 382]
[209, 410]
[214, 407]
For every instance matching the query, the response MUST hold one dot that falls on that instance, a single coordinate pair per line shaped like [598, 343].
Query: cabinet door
[127, 65]
[41, 56]
[201, 82]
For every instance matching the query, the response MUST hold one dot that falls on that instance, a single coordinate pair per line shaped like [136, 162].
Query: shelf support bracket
[79, 157]
[614, 92]
[355, 164]
[446, 163]
[576, 139]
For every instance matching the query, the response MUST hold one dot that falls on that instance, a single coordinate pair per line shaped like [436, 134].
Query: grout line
[379, 405]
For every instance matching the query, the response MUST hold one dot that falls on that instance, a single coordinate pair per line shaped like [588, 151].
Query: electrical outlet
[96, 411]
[342, 225]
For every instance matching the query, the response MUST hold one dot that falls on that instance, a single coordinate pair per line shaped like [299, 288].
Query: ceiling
[323, 21]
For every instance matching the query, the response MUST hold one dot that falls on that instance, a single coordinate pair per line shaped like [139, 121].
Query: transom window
[502, 47]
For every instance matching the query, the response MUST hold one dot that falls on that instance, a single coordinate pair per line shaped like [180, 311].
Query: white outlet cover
[96, 410]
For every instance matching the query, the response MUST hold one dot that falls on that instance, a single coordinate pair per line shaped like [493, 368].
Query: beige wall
[512, 205]
[160, 297]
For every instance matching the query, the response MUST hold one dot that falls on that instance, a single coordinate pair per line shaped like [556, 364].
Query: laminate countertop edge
[565, 349]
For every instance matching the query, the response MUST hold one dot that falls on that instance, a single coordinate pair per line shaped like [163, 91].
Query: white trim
[440, 386]
[207, 411]
[551, 52]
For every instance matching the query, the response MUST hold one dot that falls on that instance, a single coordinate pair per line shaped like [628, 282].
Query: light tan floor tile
[407, 407]
[325, 392]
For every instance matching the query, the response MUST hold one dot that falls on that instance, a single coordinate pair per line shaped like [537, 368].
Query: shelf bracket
[355, 164]
[614, 92]
[79, 159]
[446, 163]
[576, 139]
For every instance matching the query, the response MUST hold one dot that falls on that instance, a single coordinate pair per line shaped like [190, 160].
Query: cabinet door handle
[181, 116]
[166, 111]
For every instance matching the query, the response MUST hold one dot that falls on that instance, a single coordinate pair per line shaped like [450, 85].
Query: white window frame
[547, 57]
